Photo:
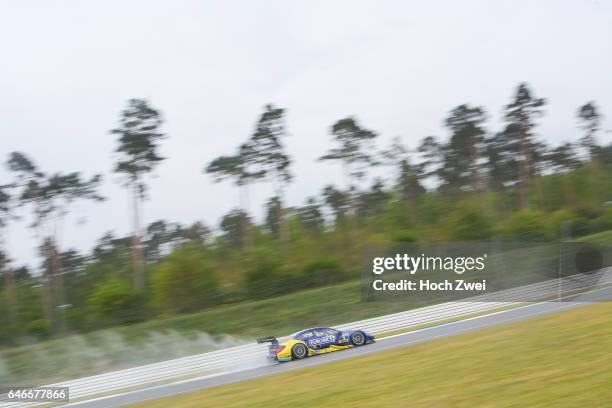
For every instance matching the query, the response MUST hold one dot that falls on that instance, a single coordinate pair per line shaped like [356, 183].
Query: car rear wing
[269, 339]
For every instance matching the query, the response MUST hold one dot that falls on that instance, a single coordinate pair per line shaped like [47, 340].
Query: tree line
[479, 176]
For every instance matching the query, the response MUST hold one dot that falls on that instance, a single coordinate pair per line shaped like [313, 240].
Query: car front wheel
[358, 338]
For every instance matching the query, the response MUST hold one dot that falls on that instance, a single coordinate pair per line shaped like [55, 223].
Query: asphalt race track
[418, 336]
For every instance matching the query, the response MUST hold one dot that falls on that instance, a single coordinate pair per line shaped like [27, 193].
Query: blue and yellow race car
[318, 340]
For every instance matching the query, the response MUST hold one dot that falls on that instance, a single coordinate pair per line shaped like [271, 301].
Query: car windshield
[304, 335]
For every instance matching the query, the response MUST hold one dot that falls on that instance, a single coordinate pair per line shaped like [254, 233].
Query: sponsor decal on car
[320, 340]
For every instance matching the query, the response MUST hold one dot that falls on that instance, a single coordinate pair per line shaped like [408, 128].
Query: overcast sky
[68, 67]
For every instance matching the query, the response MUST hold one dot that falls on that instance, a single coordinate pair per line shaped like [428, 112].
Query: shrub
[583, 226]
[560, 222]
[527, 225]
[586, 221]
[407, 236]
[469, 224]
[115, 302]
[39, 328]
[184, 281]
[323, 272]
[604, 222]
[264, 277]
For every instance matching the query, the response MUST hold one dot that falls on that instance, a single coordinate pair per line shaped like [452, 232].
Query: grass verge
[558, 360]
[602, 238]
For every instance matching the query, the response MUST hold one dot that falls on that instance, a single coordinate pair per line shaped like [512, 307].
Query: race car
[318, 340]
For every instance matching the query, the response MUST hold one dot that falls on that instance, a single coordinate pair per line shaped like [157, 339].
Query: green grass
[603, 238]
[560, 360]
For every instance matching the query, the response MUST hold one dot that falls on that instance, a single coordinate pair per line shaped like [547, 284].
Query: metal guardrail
[253, 355]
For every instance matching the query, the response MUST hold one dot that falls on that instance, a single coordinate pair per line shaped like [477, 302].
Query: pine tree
[522, 112]
[138, 145]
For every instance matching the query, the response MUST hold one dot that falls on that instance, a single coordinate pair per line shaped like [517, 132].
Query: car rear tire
[358, 338]
[299, 351]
